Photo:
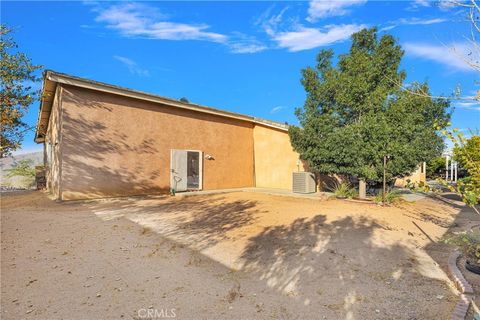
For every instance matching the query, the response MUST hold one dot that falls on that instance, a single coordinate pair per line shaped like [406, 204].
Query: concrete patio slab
[270, 191]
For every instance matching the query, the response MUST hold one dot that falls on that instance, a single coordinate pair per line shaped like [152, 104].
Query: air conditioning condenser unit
[303, 182]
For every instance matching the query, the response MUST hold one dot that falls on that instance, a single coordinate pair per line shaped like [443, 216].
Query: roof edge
[63, 78]
[44, 99]
[109, 88]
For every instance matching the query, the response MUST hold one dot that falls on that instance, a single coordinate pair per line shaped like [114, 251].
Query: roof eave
[108, 88]
[46, 99]
[51, 79]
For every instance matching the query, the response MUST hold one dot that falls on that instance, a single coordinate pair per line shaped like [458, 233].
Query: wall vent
[303, 182]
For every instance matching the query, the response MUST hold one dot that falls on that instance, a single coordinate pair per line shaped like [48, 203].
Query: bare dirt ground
[237, 256]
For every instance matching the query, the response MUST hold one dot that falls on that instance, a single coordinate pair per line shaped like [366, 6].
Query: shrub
[421, 187]
[344, 189]
[25, 170]
[391, 196]
[467, 154]
[468, 242]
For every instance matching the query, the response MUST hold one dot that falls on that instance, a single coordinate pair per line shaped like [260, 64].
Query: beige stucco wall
[418, 176]
[275, 159]
[53, 140]
[116, 146]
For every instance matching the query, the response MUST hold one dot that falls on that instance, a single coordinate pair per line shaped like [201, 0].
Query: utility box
[304, 182]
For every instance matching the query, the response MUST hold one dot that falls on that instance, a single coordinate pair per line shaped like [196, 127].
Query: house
[417, 177]
[102, 140]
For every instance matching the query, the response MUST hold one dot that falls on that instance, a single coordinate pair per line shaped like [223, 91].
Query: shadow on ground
[207, 220]
[340, 266]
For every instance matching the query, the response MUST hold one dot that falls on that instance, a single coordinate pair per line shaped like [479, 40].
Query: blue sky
[239, 56]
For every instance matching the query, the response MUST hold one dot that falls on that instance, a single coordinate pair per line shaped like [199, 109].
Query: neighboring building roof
[52, 78]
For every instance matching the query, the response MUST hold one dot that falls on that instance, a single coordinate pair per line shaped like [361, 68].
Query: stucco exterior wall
[418, 176]
[116, 146]
[275, 159]
[52, 147]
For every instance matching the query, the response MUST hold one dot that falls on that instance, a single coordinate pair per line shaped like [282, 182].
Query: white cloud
[421, 3]
[270, 23]
[388, 28]
[138, 20]
[132, 66]
[444, 5]
[412, 21]
[447, 4]
[452, 55]
[303, 38]
[318, 9]
[418, 21]
[277, 109]
[470, 105]
[294, 36]
[243, 47]
[242, 43]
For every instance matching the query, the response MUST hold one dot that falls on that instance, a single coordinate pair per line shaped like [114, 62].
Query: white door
[178, 170]
[186, 172]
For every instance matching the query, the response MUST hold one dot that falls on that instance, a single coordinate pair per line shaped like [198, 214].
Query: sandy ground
[237, 256]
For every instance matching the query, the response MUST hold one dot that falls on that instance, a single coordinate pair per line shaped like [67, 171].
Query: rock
[440, 297]
[377, 311]
[98, 295]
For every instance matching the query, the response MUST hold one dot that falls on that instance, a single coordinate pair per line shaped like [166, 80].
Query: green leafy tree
[354, 114]
[435, 167]
[466, 152]
[470, 148]
[17, 74]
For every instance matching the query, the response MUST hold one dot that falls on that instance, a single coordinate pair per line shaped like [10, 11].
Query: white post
[456, 171]
[424, 171]
[362, 189]
[451, 170]
[446, 165]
